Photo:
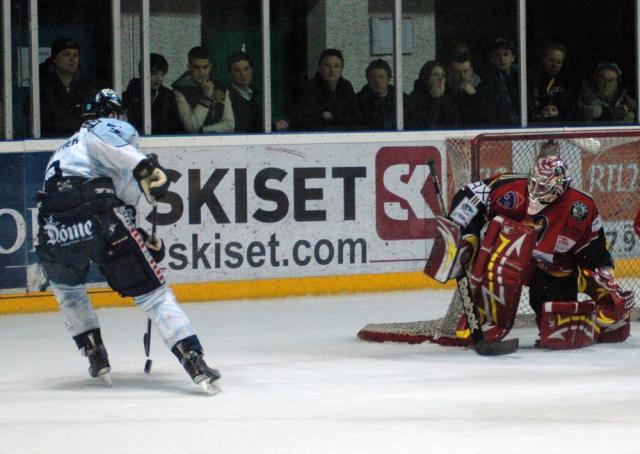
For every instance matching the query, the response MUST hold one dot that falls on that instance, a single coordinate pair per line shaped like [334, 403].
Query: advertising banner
[260, 211]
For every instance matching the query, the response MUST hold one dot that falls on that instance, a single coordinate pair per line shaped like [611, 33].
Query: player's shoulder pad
[116, 133]
[504, 178]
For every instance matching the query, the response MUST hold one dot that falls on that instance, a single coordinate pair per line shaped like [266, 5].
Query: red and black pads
[613, 305]
[568, 324]
[499, 272]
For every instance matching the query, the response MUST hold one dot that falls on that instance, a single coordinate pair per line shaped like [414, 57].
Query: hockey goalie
[512, 230]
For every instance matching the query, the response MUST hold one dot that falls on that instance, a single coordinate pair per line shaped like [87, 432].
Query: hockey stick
[146, 339]
[463, 287]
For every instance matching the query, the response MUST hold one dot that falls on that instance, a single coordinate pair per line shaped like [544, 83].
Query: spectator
[549, 94]
[463, 84]
[328, 102]
[62, 90]
[461, 46]
[164, 110]
[203, 104]
[246, 107]
[606, 100]
[377, 99]
[499, 93]
[429, 104]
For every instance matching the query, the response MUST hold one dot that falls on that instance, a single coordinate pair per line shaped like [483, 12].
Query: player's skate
[93, 349]
[189, 352]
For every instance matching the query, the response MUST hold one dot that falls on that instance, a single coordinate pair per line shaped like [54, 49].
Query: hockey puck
[147, 366]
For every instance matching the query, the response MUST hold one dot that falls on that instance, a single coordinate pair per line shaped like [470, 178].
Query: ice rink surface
[297, 380]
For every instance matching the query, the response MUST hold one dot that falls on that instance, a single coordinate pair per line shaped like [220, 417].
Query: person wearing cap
[62, 90]
[164, 110]
[499, 101]
[328, 101]
[605, 99]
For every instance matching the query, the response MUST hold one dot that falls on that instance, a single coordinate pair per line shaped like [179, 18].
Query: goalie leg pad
[568, 324]
[499, 272]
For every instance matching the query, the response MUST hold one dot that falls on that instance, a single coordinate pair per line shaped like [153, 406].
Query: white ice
[297, 380]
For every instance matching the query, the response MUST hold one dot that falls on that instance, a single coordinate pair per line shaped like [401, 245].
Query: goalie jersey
[101, 148]
[569, 230]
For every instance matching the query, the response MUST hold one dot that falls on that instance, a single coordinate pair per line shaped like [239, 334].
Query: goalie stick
[463, 287]
[146, 338]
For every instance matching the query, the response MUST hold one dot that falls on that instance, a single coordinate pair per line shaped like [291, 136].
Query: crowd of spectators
[450, 94]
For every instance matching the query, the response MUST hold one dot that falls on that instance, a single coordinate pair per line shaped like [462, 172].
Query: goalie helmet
[106, 103]
[548, 179]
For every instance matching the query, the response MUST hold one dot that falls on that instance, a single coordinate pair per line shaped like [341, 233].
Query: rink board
[246, 220]
[252, 217]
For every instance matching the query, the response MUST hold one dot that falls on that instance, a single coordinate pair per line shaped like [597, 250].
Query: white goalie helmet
[548, 179]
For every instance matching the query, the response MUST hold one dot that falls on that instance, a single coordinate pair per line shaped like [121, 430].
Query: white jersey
[101, 148]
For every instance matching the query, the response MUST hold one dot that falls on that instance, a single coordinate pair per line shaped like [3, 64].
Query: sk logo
[405, 200]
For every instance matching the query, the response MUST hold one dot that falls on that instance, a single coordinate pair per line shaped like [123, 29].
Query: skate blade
[105, 379]
[209, 387]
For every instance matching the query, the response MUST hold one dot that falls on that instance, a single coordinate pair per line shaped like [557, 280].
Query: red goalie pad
[500, 271]
[568, 324]
[636, 223]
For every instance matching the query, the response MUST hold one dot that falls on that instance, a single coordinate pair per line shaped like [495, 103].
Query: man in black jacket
[62, 90]
[328, 102]
[164, 110]
[244, 99]
[377, 100]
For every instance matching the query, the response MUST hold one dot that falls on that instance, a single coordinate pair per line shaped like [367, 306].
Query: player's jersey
[569, 230]
[101, 148]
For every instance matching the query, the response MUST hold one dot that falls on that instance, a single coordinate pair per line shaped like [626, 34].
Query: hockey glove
[152, 179]
[601, 281]
[156, 248]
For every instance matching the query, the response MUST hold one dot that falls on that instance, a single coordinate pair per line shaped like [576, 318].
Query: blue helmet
[106, 103]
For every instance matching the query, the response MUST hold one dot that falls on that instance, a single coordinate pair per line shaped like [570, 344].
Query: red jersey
[569, 230]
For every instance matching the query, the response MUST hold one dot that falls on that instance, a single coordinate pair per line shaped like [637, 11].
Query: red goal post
[604, 163]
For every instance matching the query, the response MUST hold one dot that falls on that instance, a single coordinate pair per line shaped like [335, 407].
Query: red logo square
[406, 202]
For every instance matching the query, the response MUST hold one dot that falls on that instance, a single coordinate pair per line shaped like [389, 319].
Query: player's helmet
[106, 103]
[548, 181]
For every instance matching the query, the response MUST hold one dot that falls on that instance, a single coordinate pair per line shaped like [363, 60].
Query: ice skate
[94, 349]
[193, 362]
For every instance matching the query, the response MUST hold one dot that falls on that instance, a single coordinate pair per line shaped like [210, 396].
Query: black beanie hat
[61, 44]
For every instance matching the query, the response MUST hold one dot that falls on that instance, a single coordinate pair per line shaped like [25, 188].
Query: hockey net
[605, 164]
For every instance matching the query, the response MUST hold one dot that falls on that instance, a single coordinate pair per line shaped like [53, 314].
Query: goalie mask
[548, 181]
[105, 104]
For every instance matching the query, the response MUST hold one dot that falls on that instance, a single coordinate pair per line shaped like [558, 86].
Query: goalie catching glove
[152, 179]
[613, 304]
[451, 251]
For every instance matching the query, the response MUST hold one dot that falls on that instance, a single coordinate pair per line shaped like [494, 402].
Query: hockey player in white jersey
[87, 214]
